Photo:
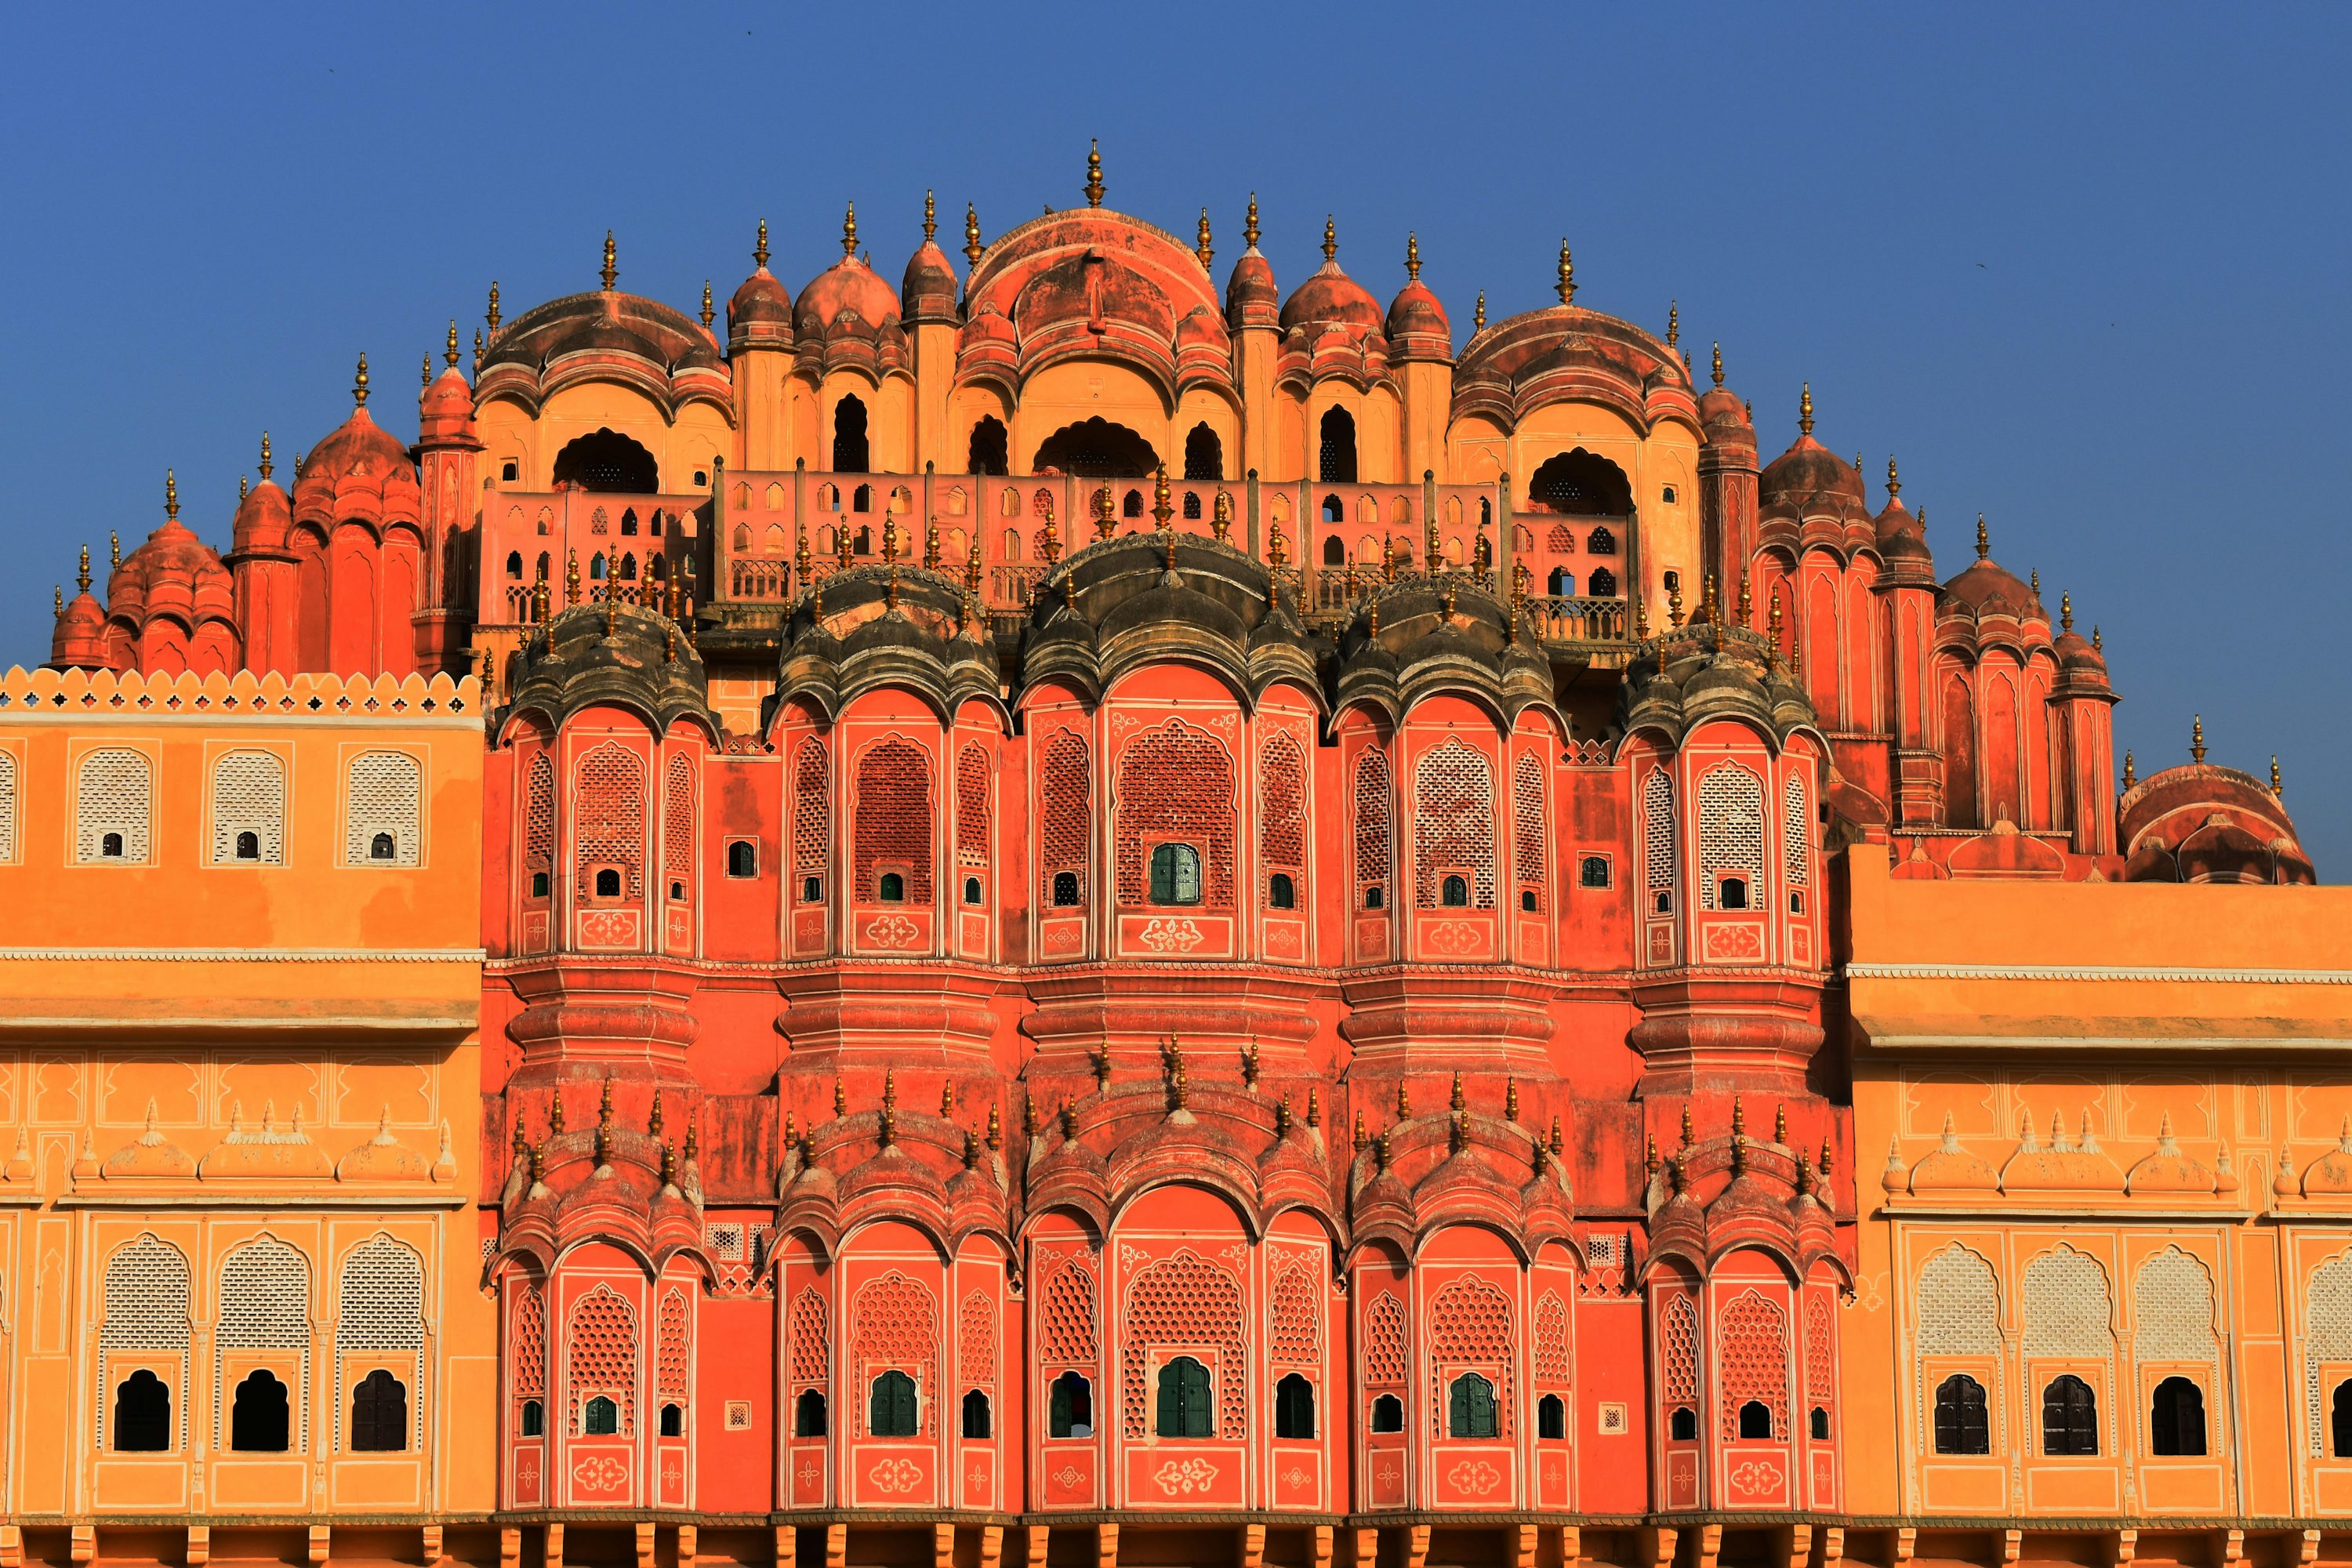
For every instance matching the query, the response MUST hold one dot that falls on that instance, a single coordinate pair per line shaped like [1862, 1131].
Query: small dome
[1330, 295]
[1902, 537]
[1807, 476]
[928, 288]
[79, 640]
[1417, 324]
[759, 315]
[848, 290]
[1251, 299]
[446, 414]
[1988, 588]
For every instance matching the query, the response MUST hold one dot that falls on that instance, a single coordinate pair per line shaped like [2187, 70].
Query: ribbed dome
[445, 414]
[1988, 588]
[928, 288]
[265, 518]
[759, 315]
[1809, 477]
[79, 639]
[1331, 296]
[1417, 325]
[847, 291]
[1251, 298]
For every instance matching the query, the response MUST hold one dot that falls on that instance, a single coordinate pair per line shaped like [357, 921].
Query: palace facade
[1059, 910]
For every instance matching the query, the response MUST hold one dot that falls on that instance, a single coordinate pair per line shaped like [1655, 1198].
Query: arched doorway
[1204, 455]
[988, 453]
[608, 463]
[1581, 485]
[1098, 449]
[1338, 454]
[849, 446]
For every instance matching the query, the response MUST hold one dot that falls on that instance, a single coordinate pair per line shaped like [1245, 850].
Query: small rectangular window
[509, 471]
[742, 857]
[1593, 871]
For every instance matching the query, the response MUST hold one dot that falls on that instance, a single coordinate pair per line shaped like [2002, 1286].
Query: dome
[446, 414]
[2204, 823]
[759, 315]
[1988, 588]
[928, 288]
[617, 654]
[847, 295]
[1331, 296]
[1902, 539]
[1809, 477]
[265, 518]
[1416, 321]
[1251, 299]
[173, 573]
[79, 639]
[359, 470]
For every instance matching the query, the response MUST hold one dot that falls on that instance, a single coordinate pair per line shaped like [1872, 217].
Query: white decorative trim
[243, 955]
[2096, 972]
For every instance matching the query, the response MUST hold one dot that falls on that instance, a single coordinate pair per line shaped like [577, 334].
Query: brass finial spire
[1805, 411]
[171, 497]
[477, 351]
[266, 465]
[2197, 739]
[971, 247]
[1747, 601]
[83, 581]
[2035, 583]
[709, 315]
[424, 373]
[1202, 248]
[492, 315]
[2131, 775]
[1674, 322]
[1675, 605]
[849, 231]
[572, 578]
[760, 250]
[1249, 225]
[1412, 257]
[1106, 513]
[1094, 187]
[1330, 241]
[243, 489]
[2097, 643]
[930, 217]
[1984, 540]
[1566, 284]
[449, 348]
[360, 385]
[1719, 363]
[1776, 615]
[1479, 314]
[1894, 479]
[60, 593]
[114, 544]
[1161, 509]
[611, 269]
[2066, 612]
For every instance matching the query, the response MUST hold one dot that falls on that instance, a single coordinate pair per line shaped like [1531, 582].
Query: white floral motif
[1455, 937]
[892, 931]
[1067, 1477]
[1166, 935]
[1757, 1476]
[600, 1473]
[1476, 1476]
[895, 1476]
[1185, 1476]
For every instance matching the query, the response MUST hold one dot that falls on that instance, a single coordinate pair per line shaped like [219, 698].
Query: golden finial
[1984, 540]
[1747, 601]
[1675, 605]
[1738, 1116]
[1221, 516]
[1314, 1107]
[1690, 1135]
[1805, 411]
[841, 548]
[171, 497]
[1776, 614]
[1780, 1125]
[1104, 511]
[1277, 549]
[1674, 322]
[2131, 774]
[1412, 257]
[760, 250]
[265, 465]
[1249, 225]
[1202, 248]
[709, 315]
[360, 385]
[60, 592]
[1714, 604]
[971, 247]
[2197, 740]
[425, 377]
[572, 578]
[1511, 1097]
[890, 540]
[492, 315]
[931, 544]
[1642, 628]
[1566, 287]
[477, 351]
[449, 348]
[1330, 241]
[1094, 185]
[2065, 610]
[930, 217]
[2034, 582]
[1894, 479]
[1479, 314]
[2278, 790]
[1404, 1103]
[611, 269]
[1454, 1101]
[849, 231]
[1161, 509]
[1718, 364]
[1050, 545]
[2097, 645]
[83, 581]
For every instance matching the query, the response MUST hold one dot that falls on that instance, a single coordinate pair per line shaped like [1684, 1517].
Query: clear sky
[2081, 268]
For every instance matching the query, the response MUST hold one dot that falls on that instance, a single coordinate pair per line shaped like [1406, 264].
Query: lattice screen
[1282, 804]
[1958, 1305]
[894, 1322]
[1297, 1317]
[603, 1350]
[1184, 1299]
[2065, 1298]
[383, 1299]
[1752, 1354]
[1796, 831]
[1176, 782]
[250, 796]
[1454, 823]
[1658, 829]
[1730, 830]
[812, 808]
[1470, 1324]
[976, 1338]
[1551, 1364]
[810, 1349]
[670, 1360]
[1065, 811]
[7, 806]
[2327, 1335]
[385, 795]
[1821, 1352]
[114, 797]
[2172, 1310]
[972, 807]
[1527, 837]
[1069, 1336]
[529, 1338]
[539, 819]
[146, 1297]
[1679, 1340]
[1384, 1346]
[677, 819]
[265, 1304]
[608, 818]
[1375, 820]
[894, 818]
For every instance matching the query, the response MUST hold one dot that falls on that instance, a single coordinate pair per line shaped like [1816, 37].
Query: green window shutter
[1058, 1408]
[1171, 1401]
[1196, 1400]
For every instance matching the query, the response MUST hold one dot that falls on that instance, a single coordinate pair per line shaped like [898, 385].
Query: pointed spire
[2065, 610]
[1161, 510]
[611, 269]
[1805, 411]
[1674, 322]
[477, 351]
[2278, 790]
[1719, 363]
[930, 217]
[1249, 224]
[424, 373]
[849, 231]
[1202, 247]
[760, 249]
[709, 315]
[1566, 287]
[1479, 314]
[2197, 739]
[1330, 241]
[1412, 257]
[2033, 582]
[490, 316]
[1094, 185]
[83, 581]
[2131, 775]
[2098, 644]
[972, 246]
[449, 348]
[1894, 479]
[171, 497]
[265, 466]
[360, 385]
[1511, 1097]
[1984, 540]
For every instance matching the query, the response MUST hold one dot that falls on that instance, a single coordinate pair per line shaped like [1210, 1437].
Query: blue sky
[2080, 268]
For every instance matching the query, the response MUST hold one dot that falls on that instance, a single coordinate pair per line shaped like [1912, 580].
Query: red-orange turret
[1726, 480]
[447, 451]
[358, 538]
[1906, 586]
[79, 640]
[168, 605]
[264, 575]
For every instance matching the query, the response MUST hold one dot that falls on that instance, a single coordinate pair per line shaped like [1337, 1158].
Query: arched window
[380, 1415]
[1593, 871]
[608, 463]
[248, 845]
[1337, 465]
[600, 1417]
[514, 565]
[1175, 874]
[1184, 1399]
[1683, 1426]
[110, 847]
[1601, 541]
[673, 1421]
[975, 1414]
[1070, 1406]
[1294, 1407]
[1096, 449]
[2070, 1417]
[2176, 1423]
[1470, 1407]
[1132, 505]
[1551, 1416]
[892, 889]
[257, 1415]
[1204, 456]
[1601, 584]
[1192, 506]
[1581, 485]
[382, 791]
[742, 859]
[1388, 1413]
[1066, 889]
[1562, 583]
[1735, 893]
[534, 1418]
[1335, 550]
[849, 436]
[1334, 510]
[1821, 1425]
[1755, 1419]
[1454, 893]
[971, 894]
[1280, 892]
[890, 1406]
[382, 846]
[142, 1414]
[628, 523]
[808, 1414]
[608, 883]
[988, 453]
[113, 806]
